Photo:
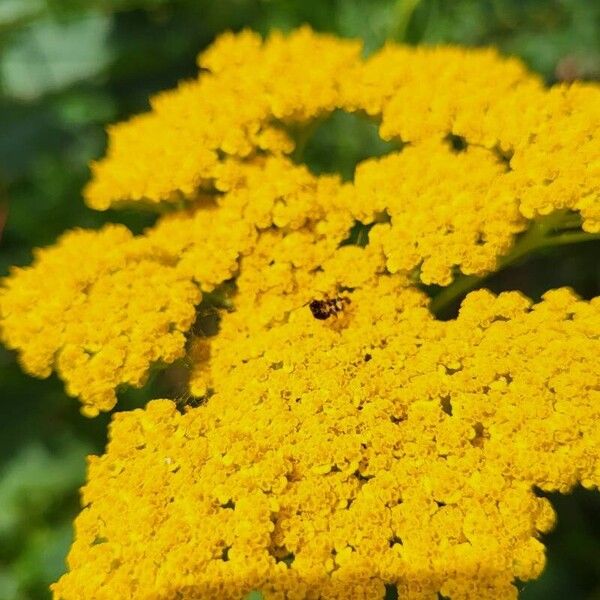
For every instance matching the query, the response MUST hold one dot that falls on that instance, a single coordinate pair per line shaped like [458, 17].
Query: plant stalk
[535, 239]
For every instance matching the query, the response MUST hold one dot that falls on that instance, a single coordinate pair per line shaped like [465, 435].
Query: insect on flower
[323, 309]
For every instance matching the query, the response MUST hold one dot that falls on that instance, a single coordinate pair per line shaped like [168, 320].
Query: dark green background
[68, 67]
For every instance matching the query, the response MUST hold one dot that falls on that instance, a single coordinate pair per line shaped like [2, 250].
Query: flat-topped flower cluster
[328, 458]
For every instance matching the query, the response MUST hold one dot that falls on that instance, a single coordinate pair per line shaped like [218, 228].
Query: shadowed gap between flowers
[337, 142]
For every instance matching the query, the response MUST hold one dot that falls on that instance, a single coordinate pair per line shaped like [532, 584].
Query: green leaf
[50, 55]
[12, 11]
[34, 481]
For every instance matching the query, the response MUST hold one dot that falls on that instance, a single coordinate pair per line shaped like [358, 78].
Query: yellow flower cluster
[381, 447]
[101, 308]
[417, 94]
[558, 166]
[433, 207]
[330, 457]
[86, 303]
[192, 127]
[459, 211]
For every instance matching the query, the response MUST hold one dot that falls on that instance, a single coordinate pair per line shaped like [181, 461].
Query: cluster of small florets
[433, 209]
[378, 447]
[333, 456]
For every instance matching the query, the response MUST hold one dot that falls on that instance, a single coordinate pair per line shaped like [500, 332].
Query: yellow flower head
[346, 439]
[486, 149]
[99, 309]
[336, 456]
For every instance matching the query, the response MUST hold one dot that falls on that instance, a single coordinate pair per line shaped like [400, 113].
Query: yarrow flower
[330, 457]
[383, 448]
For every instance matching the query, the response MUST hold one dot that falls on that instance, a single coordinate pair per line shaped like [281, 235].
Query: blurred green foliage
[69, 67]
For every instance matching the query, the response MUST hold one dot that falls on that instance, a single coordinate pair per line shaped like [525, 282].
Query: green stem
[535, 239]
[403, 11]
[448, 295]
[303, 136]
[571, 238]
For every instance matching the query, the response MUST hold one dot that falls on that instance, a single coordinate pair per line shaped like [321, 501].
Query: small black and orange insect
[323, 309]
